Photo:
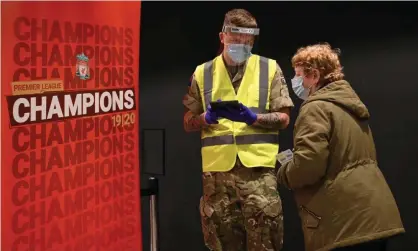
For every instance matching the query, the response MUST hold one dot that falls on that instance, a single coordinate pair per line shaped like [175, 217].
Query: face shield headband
[241, 30]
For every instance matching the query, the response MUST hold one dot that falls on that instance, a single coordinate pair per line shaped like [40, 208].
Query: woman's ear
[316, 75]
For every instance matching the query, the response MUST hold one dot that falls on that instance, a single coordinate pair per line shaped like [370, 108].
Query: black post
[153, 163]
[153, 186]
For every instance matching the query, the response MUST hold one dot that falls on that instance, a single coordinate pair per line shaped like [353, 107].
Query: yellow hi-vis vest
[222, 142]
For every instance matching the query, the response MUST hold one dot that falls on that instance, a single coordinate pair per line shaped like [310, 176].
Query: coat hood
[341, 94]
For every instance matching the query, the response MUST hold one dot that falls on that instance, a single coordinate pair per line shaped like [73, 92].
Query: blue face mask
[297, 86]
[239, 52]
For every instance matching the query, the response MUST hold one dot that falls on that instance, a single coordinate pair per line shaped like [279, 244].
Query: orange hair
[319, 57]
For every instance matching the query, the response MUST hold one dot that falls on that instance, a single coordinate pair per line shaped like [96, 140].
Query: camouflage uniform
[241, 209]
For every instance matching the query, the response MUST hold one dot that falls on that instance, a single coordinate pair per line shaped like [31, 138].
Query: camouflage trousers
[241, 210]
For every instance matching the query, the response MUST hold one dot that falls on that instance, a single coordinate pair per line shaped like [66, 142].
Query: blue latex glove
[211, 117]
[229, 113]
[248, 116]
[222, 113]
[243, 114]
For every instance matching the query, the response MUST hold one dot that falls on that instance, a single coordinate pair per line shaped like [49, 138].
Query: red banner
[70, 164]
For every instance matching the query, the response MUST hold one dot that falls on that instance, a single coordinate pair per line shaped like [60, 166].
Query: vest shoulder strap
[202, 69]
[264, 83]
[266, 75]
[204, 78]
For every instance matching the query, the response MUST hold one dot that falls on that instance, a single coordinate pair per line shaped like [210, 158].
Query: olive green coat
[342, 196]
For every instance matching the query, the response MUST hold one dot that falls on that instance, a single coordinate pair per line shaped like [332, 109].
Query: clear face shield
[239, 42]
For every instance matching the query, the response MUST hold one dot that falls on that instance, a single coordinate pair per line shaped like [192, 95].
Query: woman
[343, 198]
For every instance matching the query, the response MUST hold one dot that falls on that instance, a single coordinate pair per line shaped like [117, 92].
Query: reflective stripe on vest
[263, 89]
[241, 139]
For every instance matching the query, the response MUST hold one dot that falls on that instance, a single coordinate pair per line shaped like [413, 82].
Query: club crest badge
[82, 67]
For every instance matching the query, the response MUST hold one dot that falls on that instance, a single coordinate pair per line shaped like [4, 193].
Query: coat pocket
[309, 218]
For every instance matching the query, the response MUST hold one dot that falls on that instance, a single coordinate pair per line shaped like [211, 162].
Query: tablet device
[233, 104]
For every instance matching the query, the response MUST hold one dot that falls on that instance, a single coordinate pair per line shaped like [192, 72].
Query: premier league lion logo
[82, 68]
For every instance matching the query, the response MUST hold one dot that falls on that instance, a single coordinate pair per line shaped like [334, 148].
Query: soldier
[240, 207]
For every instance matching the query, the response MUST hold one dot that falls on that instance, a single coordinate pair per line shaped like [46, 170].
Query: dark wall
[379, 43]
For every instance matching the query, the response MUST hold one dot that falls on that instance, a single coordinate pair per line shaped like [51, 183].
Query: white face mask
[297, 86]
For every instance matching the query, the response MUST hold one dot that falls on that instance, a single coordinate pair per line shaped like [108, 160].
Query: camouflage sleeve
[279, 94]
[192, 100]
[193, 108]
